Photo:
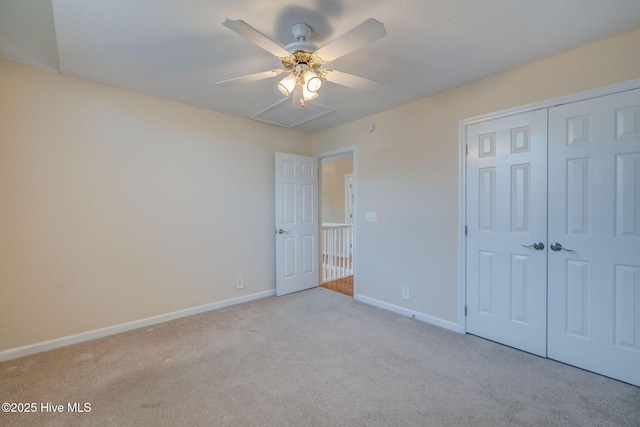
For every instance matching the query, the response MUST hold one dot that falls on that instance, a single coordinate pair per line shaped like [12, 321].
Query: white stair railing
[337, 251]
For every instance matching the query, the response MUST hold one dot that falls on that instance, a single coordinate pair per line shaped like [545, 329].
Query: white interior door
[594, 280]
[296, 201]
[506, 211]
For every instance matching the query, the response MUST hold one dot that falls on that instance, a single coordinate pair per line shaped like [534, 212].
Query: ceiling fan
[302, 60]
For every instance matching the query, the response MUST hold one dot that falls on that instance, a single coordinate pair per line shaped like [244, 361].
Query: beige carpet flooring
[314, 358]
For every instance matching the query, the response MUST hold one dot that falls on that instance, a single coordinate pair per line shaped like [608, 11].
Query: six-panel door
[594, 280]
[506, 218]
[296, 225]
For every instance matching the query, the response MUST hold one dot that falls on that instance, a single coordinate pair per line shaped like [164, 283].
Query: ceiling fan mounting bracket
[301, 32]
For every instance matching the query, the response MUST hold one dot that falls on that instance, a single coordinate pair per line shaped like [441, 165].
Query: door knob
[281, 231]
[538, 246]
[558, 247]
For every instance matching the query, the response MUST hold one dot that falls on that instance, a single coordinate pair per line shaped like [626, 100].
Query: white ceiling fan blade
[349, 80]
[250, 78]
[248, 32]
[357, 37]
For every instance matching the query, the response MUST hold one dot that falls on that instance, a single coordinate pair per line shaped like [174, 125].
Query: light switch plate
[371, 217]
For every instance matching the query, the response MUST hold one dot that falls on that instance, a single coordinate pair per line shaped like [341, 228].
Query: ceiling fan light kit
[301, 75]
[302, 59]
[287, 84]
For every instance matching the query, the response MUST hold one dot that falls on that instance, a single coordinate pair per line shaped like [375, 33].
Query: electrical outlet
[406, 294]
[239, 282]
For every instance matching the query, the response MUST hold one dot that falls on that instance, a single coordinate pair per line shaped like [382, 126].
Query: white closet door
[506, 209]
[594, 214]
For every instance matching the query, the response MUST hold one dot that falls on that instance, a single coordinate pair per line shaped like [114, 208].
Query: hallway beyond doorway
[343, 285]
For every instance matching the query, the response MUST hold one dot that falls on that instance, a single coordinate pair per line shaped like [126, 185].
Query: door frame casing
[462, 170]
[350, 149]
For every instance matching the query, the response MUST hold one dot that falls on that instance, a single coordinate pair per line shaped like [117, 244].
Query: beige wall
[408, 171]
[332, 188]
[116, 206]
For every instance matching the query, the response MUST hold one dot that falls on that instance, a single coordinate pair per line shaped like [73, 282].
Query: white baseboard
[27, 350]
[408, 312]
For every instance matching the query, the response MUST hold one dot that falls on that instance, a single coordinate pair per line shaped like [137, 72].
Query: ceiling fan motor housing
[298, 57]
[301, 32]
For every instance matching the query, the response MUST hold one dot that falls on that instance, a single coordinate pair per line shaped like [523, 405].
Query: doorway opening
[337, 213]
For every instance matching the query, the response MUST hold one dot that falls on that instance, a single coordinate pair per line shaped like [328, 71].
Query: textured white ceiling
[178, 49]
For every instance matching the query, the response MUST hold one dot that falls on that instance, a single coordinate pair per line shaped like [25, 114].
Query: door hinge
[465, 230]
[466, 150]
[465, 310]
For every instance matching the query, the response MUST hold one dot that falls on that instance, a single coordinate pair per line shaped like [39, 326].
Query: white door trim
[462, 169]
[344, 150]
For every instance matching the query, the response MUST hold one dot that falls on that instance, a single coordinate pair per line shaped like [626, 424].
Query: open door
[296, 201]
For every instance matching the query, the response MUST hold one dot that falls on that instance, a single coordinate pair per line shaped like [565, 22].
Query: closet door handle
[538, 246]
[558, 247]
